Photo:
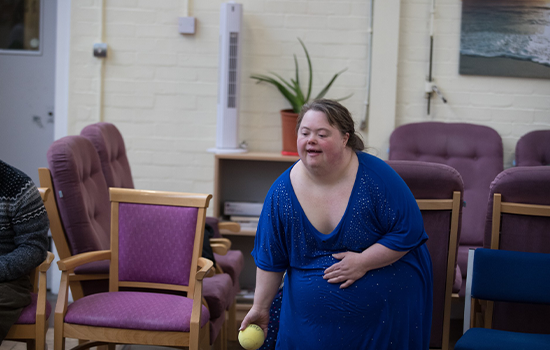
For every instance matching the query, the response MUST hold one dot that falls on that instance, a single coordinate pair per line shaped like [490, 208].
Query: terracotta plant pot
[288, 122]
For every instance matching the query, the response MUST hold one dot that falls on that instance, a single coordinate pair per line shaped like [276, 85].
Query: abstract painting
[505, 38]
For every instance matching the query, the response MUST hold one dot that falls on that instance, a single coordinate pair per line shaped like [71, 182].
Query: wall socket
[100, 50]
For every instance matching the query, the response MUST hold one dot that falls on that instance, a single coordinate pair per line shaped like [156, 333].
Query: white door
[27, 82]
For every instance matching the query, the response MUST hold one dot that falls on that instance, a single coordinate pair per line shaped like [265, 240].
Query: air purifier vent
[233, 62]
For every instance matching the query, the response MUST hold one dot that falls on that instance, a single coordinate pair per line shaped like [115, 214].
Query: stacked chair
[156, 276]
[475, 151]
[518, 219]
[110, 146]
[438, 190]
[501, 275]
[80, 221]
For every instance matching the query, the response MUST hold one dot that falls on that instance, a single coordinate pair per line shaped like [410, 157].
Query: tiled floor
[456, 332]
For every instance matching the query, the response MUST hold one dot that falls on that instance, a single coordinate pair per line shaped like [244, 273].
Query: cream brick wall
[160, 87]
[511, 106]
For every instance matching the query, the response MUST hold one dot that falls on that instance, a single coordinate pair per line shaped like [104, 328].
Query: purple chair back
[475, 151]
[525, 233]
[168, 232]
[435, 181]
[110, 147]
[81, 193]
[533, 149]
[82, 198]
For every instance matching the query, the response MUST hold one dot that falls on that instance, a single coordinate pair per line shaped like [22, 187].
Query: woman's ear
[346, 139]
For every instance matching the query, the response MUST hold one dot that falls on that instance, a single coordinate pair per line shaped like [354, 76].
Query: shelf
[245, 177]
[245, 231]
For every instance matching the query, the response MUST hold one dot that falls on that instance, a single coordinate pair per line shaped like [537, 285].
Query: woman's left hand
[349, 269]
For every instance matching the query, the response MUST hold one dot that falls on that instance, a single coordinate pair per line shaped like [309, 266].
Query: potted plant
[292, 91]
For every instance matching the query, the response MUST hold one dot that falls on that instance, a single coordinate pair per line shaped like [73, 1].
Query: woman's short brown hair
[337, 116]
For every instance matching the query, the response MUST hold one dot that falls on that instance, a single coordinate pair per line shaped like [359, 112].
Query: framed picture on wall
[509, 38]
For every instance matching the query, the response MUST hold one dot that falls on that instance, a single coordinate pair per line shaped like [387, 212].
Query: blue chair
[500, 275]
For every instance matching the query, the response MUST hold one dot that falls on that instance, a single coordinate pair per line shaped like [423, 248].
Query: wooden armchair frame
[482, 310]
[453, 205]
[198, 337]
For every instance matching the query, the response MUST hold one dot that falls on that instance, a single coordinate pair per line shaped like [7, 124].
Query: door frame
[62, 60]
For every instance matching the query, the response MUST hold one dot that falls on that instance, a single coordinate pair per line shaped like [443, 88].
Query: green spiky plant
[292, 90]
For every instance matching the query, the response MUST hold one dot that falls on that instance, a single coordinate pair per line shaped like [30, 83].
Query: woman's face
[319, 143]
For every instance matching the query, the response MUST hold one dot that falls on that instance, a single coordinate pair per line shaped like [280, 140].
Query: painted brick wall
[511, 106]
[160, 87]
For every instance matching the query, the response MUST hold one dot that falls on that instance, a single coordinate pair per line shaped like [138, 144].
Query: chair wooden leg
[31, 344]
[232, 329]
[218, 343]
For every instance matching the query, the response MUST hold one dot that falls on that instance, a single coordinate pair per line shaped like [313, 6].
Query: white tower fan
[229, 79]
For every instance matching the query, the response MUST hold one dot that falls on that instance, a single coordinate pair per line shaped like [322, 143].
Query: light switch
[186, 25]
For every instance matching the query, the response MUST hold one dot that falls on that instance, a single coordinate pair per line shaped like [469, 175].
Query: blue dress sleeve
[398, 213]
[270, 253]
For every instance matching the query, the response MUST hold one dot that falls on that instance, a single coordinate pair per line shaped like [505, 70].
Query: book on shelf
[245, 296]
[242, 208]
[241, 218]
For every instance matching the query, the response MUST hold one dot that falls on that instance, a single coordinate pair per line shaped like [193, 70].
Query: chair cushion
[231, 263]
[217, 292]
[491, 339]
[28, 315]
[81, 193]
[110, 147]
[134, 310]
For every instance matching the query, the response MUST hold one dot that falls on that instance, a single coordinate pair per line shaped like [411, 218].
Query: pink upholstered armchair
[438, 190]
[475, 151]
[79, 213]
[78, 209]
[533, 149]
[156, 244]
[111, 149]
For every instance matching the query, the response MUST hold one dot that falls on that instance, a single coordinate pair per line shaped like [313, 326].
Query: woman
[347, 230]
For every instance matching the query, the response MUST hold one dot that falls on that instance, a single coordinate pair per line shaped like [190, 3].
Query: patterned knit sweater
[24, 224]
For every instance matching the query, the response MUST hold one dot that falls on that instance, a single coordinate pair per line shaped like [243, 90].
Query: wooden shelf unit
[245, 177]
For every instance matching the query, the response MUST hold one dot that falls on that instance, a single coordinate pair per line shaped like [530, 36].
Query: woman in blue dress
[348, 232]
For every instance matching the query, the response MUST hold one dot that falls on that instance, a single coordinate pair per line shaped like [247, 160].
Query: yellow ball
[252, 337]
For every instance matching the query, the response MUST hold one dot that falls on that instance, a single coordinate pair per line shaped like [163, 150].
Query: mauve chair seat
[231, 263]
[134, 310]
[214, 290]
[28, 315]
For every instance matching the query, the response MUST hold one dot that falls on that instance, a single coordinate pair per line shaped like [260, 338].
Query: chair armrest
[80, 259]
[46, 263]
[205, 265]
[220, 245]
[229, 225]
[44, 192]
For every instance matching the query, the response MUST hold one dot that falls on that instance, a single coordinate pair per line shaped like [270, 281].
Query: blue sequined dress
[388, 308]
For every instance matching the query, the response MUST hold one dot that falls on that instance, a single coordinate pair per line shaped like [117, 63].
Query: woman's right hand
[257, 316]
